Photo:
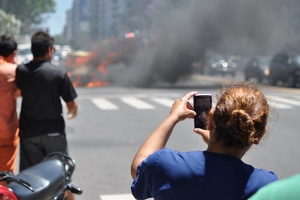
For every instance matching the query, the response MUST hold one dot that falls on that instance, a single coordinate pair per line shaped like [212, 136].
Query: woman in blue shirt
[238, 121]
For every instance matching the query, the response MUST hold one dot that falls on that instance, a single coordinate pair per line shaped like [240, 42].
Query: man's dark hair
[7, 45]
[40, 43]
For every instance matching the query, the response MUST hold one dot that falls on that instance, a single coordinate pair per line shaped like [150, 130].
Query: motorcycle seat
[46, 178]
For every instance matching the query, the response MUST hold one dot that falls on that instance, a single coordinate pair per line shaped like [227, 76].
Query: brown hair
[241, 114]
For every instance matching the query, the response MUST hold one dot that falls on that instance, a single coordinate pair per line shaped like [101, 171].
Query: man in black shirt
[42, 85]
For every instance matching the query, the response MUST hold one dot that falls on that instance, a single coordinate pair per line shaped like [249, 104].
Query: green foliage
[30, 12]
[9, 24]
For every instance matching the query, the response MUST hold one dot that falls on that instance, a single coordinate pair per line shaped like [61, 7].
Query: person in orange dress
[9, 123]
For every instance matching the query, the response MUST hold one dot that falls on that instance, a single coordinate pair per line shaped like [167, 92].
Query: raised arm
[181, 109]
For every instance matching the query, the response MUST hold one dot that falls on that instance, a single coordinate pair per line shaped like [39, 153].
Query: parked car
[24, 54]
[223, 65]
[285, 68]
[257, 68]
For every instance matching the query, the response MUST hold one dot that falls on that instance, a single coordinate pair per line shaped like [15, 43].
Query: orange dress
[9, 123]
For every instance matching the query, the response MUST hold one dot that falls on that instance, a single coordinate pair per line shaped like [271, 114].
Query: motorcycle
[48, 180]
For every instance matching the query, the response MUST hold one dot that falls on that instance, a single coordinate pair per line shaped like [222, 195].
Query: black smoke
[188, 32]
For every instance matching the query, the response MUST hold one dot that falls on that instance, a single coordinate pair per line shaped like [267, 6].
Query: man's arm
[72, 109]
[8, 69]
[16, 91]
[180, 110]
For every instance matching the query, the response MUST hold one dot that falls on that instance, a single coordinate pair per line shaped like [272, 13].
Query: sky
[57, 20]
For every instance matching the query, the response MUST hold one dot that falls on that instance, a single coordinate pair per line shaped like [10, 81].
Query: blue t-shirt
[169, 174]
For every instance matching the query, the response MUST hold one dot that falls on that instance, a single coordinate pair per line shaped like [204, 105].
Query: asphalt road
[114, 121]
[109, 130]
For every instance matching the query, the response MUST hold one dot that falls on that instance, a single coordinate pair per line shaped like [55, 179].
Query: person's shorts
[34, 149]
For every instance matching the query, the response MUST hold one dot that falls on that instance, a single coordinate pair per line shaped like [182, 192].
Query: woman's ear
[210, 122]
[255, 138]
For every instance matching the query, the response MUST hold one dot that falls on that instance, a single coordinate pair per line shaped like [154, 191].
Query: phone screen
[202, 106]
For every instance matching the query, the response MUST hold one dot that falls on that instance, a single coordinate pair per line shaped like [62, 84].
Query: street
[129, 61]
[109, 130]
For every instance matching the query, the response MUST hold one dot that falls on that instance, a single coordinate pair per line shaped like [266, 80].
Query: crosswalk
[134, 102]
[151, 103]
[148, 102]
[284, 102]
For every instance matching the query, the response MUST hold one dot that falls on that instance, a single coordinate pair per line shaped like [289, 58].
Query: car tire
[291, 81]
[272, 81]
[259, 80]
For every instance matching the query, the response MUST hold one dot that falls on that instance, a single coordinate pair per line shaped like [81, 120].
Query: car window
[296, 59]
[24, 51]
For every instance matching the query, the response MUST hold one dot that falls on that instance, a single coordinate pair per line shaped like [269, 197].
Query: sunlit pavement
[196, 81]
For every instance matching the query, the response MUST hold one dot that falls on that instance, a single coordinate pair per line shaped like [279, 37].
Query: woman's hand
[182, 109]
[204, 133]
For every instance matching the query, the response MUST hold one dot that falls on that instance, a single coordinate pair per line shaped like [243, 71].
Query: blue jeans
[34, 149]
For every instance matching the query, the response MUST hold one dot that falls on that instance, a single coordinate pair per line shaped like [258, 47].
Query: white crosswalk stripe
[137, 103]
[118, 197]
[150, 103]
[280, 102]
[164, 101]
[285, 100]
[104, 104]
[279, 105]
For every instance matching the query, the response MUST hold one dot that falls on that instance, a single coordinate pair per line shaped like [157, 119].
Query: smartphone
[202, 107]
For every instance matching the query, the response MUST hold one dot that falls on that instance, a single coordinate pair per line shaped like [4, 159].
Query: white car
[24, 54]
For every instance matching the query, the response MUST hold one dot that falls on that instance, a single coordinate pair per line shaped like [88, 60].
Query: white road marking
[137, 103]
[279, 105]
[118, 197]
[164, 101]
[104, 104]
[285, 100]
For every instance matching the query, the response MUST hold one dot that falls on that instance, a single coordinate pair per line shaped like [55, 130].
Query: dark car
[257, 68]
[285, 69]
[222, 65]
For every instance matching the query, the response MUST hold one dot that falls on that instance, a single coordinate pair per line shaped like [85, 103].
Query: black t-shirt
[42, 86]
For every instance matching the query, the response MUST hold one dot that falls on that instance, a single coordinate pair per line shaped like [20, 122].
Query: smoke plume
[188, 33]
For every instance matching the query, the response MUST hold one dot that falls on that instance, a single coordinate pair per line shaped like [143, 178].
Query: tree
[9, 24]
[30, 12]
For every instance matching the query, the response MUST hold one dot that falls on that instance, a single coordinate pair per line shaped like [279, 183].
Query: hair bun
[240, 125]
[241, 121]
